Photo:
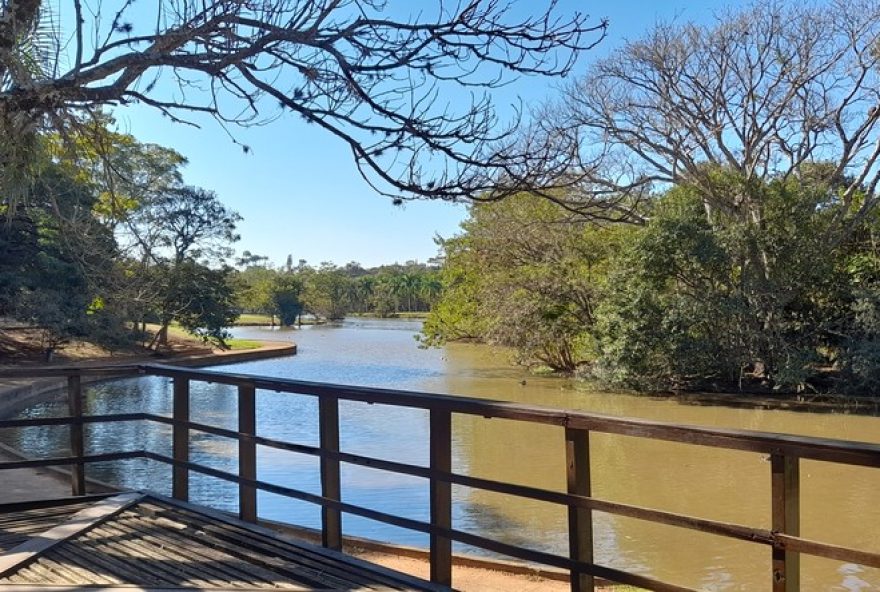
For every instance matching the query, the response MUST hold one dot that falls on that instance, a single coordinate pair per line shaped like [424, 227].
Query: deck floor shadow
[145, 541]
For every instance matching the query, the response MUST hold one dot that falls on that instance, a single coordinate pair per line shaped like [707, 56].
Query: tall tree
[525, 274]
[762, 93]
[179, 230]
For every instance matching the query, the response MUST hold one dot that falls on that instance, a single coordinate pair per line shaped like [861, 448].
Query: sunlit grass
[243, 344]
[253, 319]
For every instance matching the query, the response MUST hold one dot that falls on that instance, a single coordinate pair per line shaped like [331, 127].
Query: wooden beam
[441, 496]
[92, 588]
[580, 520]
[17, 557]
[247, 452]
[331, 488]
[77, 442]
[825, 449]
[180, 439]
[58, 502]
[785, 492]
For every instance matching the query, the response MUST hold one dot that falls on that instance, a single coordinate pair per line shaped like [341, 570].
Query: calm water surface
[839, 504]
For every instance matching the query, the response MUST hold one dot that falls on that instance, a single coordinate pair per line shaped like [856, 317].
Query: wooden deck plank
[179, 572]
[144, 542]
[223, 562]
[71, 588]
[275, 538]
[74, 573]
[75, 525]
[18, 521]
[295, 569]
[276, 557]
[80, 564]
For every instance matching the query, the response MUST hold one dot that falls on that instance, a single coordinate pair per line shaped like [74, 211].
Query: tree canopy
[374, 75]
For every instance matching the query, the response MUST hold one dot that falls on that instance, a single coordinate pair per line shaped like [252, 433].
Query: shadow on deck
[155, 543]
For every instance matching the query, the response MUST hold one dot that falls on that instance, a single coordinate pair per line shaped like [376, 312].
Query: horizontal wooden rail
[784, 450]
[53, 421]
[826, 449]
[735, 531]
[65, 371]
[61, 461]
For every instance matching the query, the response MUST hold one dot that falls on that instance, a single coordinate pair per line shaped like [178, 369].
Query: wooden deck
[150, 542]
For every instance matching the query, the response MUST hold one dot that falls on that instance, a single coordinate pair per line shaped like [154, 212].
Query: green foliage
[326, 292]
[286, 296]
[108, 237]
[331, 292]
[201, 300]
[527, 276]
[55, 260]
[696, 298]
[708, 304]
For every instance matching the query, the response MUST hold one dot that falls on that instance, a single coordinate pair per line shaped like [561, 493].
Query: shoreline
[16, 394]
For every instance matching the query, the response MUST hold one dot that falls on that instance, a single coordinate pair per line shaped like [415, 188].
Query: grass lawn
[254, 319]
[176, 333]
[239, 344]
[397, 315]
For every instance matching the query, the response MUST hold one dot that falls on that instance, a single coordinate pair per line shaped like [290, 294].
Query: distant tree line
[330, 292]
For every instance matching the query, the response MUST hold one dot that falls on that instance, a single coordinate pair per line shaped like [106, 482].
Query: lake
[839, 504]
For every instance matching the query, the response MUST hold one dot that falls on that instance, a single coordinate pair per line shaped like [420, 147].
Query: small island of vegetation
[721, 232]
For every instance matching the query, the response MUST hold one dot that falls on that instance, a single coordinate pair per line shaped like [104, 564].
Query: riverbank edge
[14, 397]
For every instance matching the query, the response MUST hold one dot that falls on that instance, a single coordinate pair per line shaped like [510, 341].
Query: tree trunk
[162, 336]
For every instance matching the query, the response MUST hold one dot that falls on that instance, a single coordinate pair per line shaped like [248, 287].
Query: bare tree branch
[367, 72]
[764, 93]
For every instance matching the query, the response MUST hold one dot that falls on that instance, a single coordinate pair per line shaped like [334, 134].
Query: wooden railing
[785, 451]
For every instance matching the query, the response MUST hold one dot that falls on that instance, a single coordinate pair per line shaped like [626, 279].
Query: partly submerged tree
[375, 75]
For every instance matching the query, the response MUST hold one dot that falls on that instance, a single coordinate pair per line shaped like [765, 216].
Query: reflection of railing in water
[784, 451]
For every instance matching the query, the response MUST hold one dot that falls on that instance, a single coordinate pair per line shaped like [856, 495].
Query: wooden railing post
[580, 520]
[247, 452]
[77, 442]
[331, 518]
[180, 439]
[785, 491]
[441, 496]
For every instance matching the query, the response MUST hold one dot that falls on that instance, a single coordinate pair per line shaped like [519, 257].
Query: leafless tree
[764, 93]
[373, 73]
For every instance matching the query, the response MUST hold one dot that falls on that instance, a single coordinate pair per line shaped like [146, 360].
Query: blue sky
[299, 191]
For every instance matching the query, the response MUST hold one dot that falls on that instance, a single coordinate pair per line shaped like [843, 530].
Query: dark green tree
[287, 292]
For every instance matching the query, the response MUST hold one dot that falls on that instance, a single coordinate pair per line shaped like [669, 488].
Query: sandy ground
[470, 579]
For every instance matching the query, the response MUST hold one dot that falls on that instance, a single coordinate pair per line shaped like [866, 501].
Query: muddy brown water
[839, 504]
